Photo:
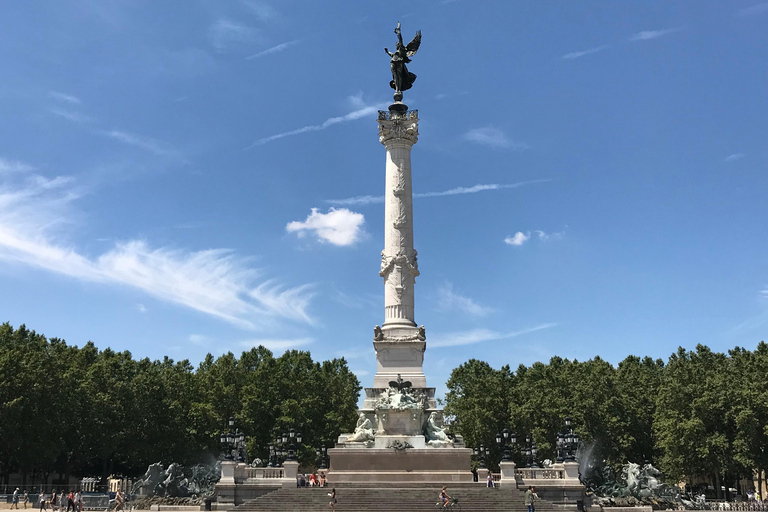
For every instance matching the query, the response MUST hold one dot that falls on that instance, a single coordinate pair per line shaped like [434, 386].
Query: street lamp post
[322, 453]
[294, 437]
[530, 452]
[233, 442]
[481, 452]
[271, 459]
[505, 439]
[570, 441]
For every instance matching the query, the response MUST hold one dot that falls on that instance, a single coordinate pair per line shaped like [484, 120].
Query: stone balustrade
[539, 474]
[251, 473]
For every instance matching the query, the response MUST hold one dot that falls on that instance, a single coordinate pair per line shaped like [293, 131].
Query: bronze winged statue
[402, 79]
[399, 384]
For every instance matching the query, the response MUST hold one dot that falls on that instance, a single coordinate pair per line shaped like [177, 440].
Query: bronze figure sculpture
[402, 79]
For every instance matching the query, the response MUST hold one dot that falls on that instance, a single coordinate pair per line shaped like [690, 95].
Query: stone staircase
[394, 497]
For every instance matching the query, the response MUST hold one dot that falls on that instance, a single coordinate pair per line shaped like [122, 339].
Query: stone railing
[737, 505]
[263, 473]
[539, 474]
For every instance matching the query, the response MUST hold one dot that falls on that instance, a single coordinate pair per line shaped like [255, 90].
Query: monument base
[428, 465]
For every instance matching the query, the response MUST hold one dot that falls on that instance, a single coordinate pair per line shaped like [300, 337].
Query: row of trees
[66, 410]
[701, 415]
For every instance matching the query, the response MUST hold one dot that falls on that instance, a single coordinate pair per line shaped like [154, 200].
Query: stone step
[390, 499]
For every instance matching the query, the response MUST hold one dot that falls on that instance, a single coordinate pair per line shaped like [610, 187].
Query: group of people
[753, 495]
[60, 502]
[313, 481]
[15, 500]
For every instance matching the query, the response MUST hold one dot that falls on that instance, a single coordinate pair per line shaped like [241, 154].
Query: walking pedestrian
[26, 498]
[530, 498]
[332, 504]
[119, 500]
[78, 501]
[15, 502]
[41, 499]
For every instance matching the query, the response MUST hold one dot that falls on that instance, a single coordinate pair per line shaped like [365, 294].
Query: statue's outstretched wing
[399, 385]
[413, 46]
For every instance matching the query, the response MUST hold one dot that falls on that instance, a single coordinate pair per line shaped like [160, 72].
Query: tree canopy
[83, 411]
[701, 415]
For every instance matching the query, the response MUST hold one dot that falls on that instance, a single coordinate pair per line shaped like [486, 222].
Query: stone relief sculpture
[635, 485]
[436, 435]
[401, 396]
[363, 431]
[178, 482]
[151, 478]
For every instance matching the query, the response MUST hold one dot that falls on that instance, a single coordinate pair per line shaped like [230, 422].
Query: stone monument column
[399, 343]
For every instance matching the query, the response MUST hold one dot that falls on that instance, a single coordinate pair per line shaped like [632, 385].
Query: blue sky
[185, 177]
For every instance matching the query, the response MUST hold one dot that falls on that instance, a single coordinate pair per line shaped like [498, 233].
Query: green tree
[479, 398]
[694, 424]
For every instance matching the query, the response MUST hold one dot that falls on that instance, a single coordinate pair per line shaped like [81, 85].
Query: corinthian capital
[401, 129]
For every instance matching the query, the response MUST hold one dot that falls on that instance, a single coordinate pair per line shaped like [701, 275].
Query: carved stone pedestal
[428, 465]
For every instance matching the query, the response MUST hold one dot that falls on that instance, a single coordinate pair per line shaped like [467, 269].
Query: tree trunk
[718, 492]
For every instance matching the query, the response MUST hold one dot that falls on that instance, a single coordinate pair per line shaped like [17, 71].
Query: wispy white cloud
[141, 307]
[646, 35]
[753, 10]
[275, 49]
[734, 157]
[155, 146]
[556, 235]
[449, 300]
[576, 55]
[451, 192]
[75, 117]
[359, 113]
[263, 10]
[518, 238]
[34, 215]
[277, 345]
[479, 335]
[65, 97]
[338, 227]
[357, 200]
[361, 373]
[14, 166]
[478, 188]
[493, 137]
[225, 33]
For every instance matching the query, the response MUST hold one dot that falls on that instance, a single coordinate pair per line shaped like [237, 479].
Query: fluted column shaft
[399, 265]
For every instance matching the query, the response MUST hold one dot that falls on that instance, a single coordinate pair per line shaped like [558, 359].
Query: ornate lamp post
[530, 452]
[233, 442]
[293, 437]
[570, 441]
[505, 439]
[481, 452]
[322, 454]
[560, 447]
